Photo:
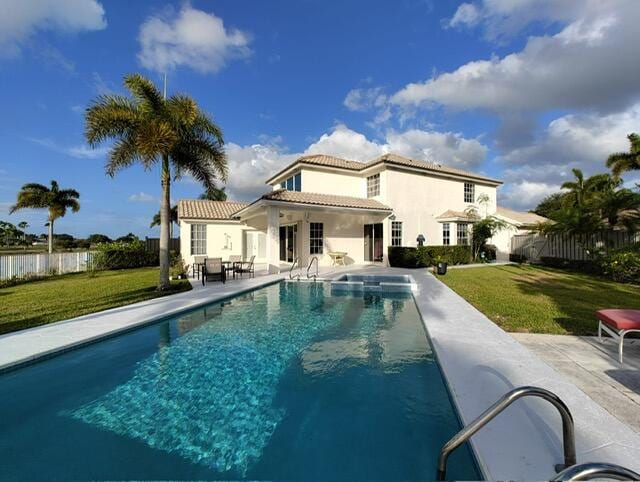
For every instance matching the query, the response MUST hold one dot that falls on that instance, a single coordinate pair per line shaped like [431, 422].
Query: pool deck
[480, 363]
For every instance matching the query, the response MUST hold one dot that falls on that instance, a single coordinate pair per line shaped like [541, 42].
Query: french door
[288, 240]
[373, 249]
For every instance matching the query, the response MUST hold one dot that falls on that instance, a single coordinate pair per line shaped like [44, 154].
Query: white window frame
[469, 192]
[396, 233]
[316, 233]
[462, 235]
[446, 234]
[198, 239]
[292, 183]
[373, 185]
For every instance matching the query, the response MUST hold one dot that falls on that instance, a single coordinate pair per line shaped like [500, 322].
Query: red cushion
[620, 319]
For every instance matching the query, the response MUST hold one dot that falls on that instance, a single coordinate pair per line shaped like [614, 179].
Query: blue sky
[523, 91]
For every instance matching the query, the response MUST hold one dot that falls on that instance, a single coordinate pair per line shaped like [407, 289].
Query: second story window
[198, 239]
[293, 183]
[396, 233]
[446, 234]
[463, 234]
[373, 185]
[469, 192]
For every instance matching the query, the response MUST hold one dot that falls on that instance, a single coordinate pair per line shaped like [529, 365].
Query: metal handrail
[293, 265]
[315, 276]
[596, 470]
[568, 436]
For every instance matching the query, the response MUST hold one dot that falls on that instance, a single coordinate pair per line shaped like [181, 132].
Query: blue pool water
[286, 382]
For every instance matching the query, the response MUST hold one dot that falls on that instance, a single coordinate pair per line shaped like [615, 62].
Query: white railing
[41, 264]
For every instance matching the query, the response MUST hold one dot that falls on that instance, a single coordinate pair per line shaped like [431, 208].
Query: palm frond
[110, 116]
[149, 99]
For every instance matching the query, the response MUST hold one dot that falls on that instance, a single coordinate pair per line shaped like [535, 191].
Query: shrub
[123, 255]
[517, 258]
[623, 265]
[425, 256]
[589, 266]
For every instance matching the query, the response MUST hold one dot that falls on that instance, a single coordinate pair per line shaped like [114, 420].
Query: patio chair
[198, 262]
[234, 259]
[213, 270]
[246, 267]
[617, 323]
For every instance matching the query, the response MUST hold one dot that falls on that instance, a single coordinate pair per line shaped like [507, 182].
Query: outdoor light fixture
[421, 239]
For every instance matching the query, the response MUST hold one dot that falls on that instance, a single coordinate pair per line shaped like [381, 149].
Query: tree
[215, 194]
[128, 238]
[173, 218]
[56, 200]
[550, 205]
[621, 162]
[23, 225]
[98, 238]
[484, 228]
[149, 129]
[8, 233]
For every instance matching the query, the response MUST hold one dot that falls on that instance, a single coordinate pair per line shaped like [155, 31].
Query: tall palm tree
[620, 162]
[215, 194]
[150, 129]
[23, 225]
[56, 200]
[173, 218]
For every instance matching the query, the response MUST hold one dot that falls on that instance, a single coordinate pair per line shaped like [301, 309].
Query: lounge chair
[617, 323]
[213, 270]
[196, 267]
[246, 267]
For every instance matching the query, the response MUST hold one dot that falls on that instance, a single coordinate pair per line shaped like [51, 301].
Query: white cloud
[81, 151]
[192, 38]
[586, 65]
[142, 197]
[20, 19]
[250, 166]
[365, 99]
[467, 14]
[525, 195]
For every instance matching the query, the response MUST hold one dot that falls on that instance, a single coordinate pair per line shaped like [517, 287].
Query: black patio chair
[213, 270]
[246, 267]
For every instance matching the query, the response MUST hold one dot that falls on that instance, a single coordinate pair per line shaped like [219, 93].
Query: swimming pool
[286, 382]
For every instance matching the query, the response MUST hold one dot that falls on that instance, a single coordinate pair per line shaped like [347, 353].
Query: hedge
[121, 255]
[584, 266]
[623, 265]
[425, 256]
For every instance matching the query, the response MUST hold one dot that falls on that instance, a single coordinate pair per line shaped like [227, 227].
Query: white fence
[21, 265]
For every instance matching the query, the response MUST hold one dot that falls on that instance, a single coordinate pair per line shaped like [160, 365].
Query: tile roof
[205, 209]
[520, 216]
[393, 159]
[325, 200]
[449, 214]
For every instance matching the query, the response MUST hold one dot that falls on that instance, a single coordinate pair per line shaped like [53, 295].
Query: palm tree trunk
[165, 219]
[50, 236]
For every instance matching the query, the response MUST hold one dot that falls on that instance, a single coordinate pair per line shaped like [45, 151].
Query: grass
[62, 297]
[531, 299]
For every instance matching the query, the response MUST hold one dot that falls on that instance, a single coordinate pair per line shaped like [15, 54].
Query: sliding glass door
[288, 240]
[373, 249]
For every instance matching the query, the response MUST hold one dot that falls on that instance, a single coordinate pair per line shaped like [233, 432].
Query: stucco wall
[224, 238]
[331, 183]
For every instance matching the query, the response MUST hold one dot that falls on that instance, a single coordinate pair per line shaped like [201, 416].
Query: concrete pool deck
[480, 363]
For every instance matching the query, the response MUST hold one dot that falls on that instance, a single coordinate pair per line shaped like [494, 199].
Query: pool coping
[479, 362]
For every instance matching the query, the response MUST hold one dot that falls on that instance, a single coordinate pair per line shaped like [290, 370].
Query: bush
[123, 255]
[589, 266]
[517, 258]
[623, 265]
[425, 256]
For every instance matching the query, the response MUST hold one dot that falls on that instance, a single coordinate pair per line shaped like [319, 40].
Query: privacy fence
[533, 247]
[41, 264]
[153, 244]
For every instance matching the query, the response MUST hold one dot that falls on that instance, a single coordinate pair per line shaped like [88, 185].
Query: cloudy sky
[522, 90]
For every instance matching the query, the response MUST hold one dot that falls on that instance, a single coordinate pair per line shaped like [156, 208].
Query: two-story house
[322, 204]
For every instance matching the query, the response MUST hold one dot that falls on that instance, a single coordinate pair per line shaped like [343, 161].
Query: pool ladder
[293, 265]
[567, 471]
[313, 275]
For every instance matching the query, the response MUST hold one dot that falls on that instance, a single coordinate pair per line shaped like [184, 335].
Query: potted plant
[178, 269]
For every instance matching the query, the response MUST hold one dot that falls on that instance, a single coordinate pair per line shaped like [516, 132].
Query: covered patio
[300, 226]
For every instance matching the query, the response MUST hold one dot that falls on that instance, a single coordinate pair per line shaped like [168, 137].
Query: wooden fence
[41, 264]
[536, 246]
[153, 244]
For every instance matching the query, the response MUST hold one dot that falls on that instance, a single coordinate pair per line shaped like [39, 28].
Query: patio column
[273, 239]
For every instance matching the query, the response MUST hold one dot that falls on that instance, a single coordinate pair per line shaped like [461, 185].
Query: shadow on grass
[577, 296]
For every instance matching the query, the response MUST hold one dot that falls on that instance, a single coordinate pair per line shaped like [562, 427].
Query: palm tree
[620, 162]
[149, 129]
[23, 225]
[215, 194]
[173, 218]
[56, 200]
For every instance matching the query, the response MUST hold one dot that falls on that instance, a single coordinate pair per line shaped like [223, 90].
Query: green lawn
[540, 300]
[61, 297]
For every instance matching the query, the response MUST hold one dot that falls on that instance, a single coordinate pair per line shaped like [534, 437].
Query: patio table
[337, 257]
